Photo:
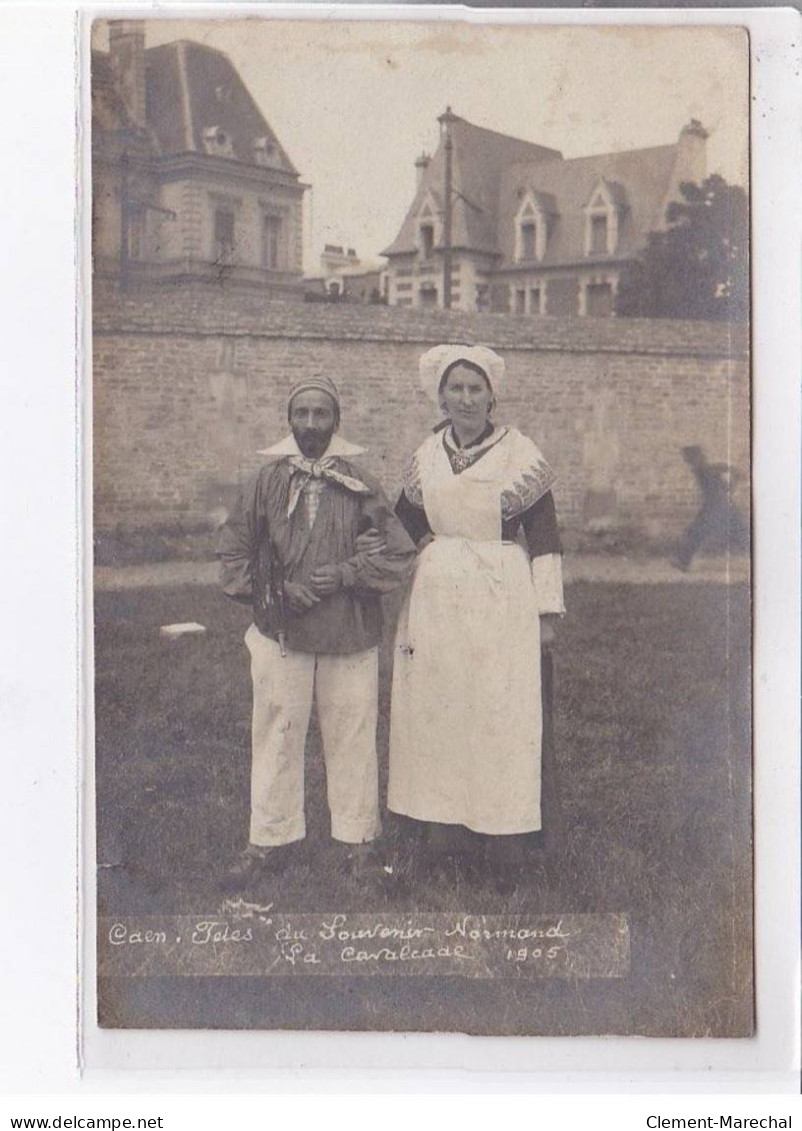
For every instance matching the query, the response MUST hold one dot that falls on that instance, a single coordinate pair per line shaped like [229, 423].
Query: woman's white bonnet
[436, 361]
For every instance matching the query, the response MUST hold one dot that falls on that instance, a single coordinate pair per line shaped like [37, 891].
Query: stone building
[345, 277]
[533, 232]
[190, 183]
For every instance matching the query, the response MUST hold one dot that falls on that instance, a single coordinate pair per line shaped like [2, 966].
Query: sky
[355, 101]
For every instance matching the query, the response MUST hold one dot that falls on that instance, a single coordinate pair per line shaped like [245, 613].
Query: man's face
[313, 419]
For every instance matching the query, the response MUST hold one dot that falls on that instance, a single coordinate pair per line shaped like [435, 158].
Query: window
[528, 239]
[428, 297]
[532, 221]
[427, 239]
[217, 142]
[272, 244]
[223, 235]
[520, 302]
[534, 300]
[599, 299]
[605, 213]
[135, 235]
[500, 298]
[598, 235]
[264, 151]
[428, 223]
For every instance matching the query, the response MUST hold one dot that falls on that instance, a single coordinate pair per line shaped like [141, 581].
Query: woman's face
[466, 396]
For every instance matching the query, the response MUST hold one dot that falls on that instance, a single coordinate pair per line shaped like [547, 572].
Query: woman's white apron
[466, 722]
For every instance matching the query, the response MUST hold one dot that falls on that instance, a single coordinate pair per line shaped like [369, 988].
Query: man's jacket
[262, 545]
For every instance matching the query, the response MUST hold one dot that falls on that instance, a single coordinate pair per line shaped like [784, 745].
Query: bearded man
[312, 545]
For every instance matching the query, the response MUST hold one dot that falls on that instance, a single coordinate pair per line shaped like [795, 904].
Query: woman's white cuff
[547, 578]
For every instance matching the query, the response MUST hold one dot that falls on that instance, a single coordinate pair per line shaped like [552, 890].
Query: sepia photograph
[421, 526]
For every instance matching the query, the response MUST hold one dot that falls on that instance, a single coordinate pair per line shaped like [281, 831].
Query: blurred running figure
[719, 522]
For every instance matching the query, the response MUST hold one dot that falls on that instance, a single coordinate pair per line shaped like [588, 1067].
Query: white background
[39, 411]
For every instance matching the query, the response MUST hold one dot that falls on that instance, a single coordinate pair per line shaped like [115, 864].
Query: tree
[698, 267]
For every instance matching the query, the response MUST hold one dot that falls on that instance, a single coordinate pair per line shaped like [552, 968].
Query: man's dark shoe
[250, 866]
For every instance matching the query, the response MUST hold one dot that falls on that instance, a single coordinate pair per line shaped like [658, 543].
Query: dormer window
[599, 234]
[428, 228]
[264, 151]
[217, 142]
[603, 214]
[426, 232]
[531, 228]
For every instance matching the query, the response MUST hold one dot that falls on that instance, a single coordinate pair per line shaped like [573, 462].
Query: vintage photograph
[420, 389]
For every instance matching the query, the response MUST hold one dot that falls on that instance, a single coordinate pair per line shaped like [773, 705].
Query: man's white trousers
[346, 691]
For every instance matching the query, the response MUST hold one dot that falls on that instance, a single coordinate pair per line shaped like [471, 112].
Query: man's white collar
[289, 447]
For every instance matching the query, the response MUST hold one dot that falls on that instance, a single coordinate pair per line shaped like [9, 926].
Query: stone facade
[189, 181]
[345, 278]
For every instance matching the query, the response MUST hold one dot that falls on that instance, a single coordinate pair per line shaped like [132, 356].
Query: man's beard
[312, 443]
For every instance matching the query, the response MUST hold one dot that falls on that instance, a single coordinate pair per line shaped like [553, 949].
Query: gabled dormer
[604, 213]
[532, 225]
[429, 226]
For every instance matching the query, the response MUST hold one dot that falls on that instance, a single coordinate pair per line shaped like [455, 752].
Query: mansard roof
[191, 88]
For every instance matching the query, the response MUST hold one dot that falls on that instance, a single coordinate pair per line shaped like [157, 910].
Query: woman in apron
[466, 722]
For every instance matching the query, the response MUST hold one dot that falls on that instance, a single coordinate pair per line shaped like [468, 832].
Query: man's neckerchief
[304, 469]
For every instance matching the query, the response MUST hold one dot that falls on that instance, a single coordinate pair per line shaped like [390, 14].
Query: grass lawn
[648, 802]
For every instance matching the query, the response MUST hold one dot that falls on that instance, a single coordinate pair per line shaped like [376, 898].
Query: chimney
[127, 51]
[690, 166]
[692, 156]
[421, 165]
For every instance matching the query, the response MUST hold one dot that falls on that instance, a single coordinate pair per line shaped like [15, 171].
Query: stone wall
[190, 384]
